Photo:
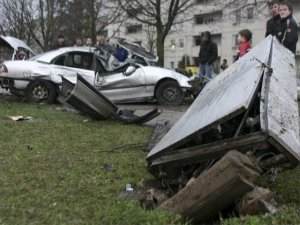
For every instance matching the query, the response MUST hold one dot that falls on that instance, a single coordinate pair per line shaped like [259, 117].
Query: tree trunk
[160, 42]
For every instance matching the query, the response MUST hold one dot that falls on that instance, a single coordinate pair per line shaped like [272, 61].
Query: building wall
[182, 38]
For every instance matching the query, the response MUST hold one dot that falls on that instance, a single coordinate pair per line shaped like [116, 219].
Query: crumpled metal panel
[88, 100]
[224, 97]
[279, 113]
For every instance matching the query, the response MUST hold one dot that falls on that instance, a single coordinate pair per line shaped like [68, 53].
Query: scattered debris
[258, 201]
[262, 119]
[108, 167]
[251, 108]
[88, 100]
[217, 188]
[128, 188]
[159, 131]
[148, 193]
[20, 118]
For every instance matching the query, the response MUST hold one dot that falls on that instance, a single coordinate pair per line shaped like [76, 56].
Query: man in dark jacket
[60, 42]
[287, 28]
[272, 23]
[207, 55]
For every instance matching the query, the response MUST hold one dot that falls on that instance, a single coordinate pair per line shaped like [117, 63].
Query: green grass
[52, 168]
[52, 172]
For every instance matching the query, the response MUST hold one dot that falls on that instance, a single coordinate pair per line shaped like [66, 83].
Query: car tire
[41, 91]
[169, 93]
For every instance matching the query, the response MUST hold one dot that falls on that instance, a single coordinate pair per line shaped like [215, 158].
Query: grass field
[52, 171]
[52, 168]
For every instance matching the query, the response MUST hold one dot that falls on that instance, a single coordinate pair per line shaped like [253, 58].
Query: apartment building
[224, 19]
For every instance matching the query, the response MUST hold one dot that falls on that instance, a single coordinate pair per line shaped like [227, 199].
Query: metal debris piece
[159, 131]
[20, 118]
[88, 100]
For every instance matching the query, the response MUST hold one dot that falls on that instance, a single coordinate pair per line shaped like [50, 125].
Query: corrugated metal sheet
[226, 96]
[279, 111]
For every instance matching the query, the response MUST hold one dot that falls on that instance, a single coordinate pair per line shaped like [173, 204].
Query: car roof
[48, 56]
[15, 43]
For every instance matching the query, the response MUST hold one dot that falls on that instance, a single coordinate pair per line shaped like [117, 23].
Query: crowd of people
[88, 42]
[281, 25]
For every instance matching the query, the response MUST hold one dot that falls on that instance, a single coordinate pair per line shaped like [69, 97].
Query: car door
[72, 63]
[119, 86]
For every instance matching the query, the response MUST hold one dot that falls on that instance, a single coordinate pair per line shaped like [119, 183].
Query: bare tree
[33, 20]
[13, 13]
[42, 20]
[101, 13]
[161, 14]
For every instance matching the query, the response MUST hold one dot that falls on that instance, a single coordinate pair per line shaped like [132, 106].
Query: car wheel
[169, 93]
[41, 91]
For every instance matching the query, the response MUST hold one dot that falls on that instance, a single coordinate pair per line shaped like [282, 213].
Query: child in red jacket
[244, 38]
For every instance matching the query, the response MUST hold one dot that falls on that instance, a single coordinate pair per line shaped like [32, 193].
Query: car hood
[14, 43]
[158, 73]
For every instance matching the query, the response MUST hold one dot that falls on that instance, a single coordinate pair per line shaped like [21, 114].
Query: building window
[181, 43]
[235, 41]
[172, 64]
[208, 18]
[197, 40]
[131, 12]
[199, 19]
[202, 1]
[250, 13]
[134, 29]
[236, 17]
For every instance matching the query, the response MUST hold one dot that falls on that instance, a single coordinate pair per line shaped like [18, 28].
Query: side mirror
[130, 70]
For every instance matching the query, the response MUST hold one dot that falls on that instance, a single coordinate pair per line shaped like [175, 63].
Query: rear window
[6, 53]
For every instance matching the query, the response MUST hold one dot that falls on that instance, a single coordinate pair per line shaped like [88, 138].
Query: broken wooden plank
[214, 150]
[216, 189]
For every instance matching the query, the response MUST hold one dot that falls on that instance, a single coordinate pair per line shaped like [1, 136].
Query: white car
[39, 78]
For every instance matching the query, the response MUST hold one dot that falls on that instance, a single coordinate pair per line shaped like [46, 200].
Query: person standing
[102, 45]
[244, 38]
[272, 23]
[60, 42]
[88, 42]
[207, 55]
[78, 42]
[287, 28]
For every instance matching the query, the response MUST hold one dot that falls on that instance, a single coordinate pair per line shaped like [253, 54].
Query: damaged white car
[39, 78]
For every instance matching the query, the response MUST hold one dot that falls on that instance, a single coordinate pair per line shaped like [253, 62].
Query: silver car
[39, 78]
